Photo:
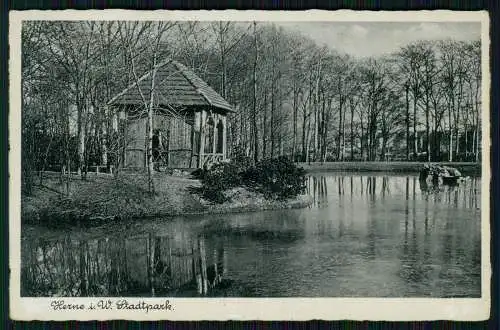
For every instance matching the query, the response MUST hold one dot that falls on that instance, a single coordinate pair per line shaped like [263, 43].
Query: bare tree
[153, 33]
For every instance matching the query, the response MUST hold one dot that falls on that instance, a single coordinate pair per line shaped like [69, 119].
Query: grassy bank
[395, 167]
[103, 198]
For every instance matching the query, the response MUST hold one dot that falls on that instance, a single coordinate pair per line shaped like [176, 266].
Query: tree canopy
[295, 98]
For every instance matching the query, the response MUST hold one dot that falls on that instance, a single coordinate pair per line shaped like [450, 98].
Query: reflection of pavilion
[189, 119]
[151, 265]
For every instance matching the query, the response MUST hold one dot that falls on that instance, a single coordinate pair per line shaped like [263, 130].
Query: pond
[366, 235]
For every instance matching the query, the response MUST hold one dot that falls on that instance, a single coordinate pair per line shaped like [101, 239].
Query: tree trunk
[352, 129]
[435, 147]
[294, 141]
[254, 114]
[272, 124]
[362, 137]
[280, 131]
[149, 153]
[339, 140]
[407, 121]
[308, 141]
[304, 119]
[478, 134]
[343, 134]
[80, 135]
[316, 110]
[264, 127]
[427, 127]
[324, 130]
[223, 75]
[450, 135]
[104, 136]
[415, 140]
[478, 119]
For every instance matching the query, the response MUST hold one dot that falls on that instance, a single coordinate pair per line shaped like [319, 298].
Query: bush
[241, 160]
[217, 179]
[239, 163]
[277, 178]
[199, 173]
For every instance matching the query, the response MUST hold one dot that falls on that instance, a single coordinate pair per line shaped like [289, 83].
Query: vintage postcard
[249, 165]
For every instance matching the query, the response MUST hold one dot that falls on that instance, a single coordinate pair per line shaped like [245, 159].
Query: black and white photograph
[215, 157]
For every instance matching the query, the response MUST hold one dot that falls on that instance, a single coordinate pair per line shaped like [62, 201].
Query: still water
[364, 236]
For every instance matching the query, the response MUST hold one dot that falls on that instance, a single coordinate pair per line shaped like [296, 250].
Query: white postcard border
[398, 309]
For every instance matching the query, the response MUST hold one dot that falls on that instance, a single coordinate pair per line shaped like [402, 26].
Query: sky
[364, 39]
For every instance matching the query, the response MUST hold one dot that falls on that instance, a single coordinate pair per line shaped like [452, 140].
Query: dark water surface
[365, 235]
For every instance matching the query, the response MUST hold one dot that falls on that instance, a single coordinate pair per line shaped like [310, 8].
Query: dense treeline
[293, 97]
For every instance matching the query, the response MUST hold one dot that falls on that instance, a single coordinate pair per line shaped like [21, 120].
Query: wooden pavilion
[189, 119]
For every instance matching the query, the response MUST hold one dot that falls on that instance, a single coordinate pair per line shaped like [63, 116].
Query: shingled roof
[176, 85]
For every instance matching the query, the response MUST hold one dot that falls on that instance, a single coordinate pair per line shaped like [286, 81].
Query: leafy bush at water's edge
[276, 178]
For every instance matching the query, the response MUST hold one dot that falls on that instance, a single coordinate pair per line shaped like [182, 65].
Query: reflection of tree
[371, 187]
[161, 265]
[407, 212]
[361, 181]
[117, 266]
[385, 186]
[427, 243]
[319, 190]
[351, 186]
[407, 197]
[83, 268]
[341, 185]
[150, 264]
[411, 270]
[203, 281]
[474, 191]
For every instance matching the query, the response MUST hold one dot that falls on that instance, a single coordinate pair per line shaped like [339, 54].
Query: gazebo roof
[175, 85]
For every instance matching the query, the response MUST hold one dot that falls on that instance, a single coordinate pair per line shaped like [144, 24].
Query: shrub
[277, 178]
[199, 173]
[241, 160]
[239, 163]
[217, 179]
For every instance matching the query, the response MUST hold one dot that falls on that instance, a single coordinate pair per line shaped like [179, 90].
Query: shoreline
[73, 218]
[300, 202]
[466, 168]
[103, 198]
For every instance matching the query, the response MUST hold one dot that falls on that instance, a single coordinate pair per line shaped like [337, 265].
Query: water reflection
[114, 266]
[364, 235]
[374, 187]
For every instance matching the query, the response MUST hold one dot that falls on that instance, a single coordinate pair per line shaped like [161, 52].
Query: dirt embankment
[102, 198]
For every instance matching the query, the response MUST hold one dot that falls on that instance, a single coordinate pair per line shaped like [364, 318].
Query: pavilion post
[214, 133]
[224, 136]
[192, 141]
[202, 139]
